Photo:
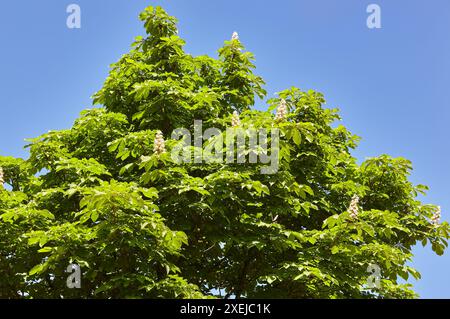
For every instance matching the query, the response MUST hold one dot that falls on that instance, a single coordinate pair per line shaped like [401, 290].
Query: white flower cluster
[1, 177]
[235, 121]
[235, 36]
[436, 216]
[353, 208]
[281, 111]
[160, 145]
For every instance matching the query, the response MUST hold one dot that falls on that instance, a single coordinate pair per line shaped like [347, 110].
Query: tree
[108, 195]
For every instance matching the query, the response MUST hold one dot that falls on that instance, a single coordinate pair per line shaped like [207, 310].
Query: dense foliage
[103, 196]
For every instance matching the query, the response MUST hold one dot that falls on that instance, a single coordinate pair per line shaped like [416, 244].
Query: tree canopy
[107, 195]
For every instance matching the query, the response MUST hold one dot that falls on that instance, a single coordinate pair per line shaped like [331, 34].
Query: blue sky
[391, 84]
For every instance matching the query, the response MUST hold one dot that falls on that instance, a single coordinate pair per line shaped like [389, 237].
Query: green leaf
[45, 250]
[94, 215]
[37, 269]
[296, 136]
[335, 250]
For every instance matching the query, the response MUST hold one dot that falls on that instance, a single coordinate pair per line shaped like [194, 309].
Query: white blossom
[235, 121]
[281, 111]
[235, 36]
[353, 208]
[160, 145]
[436, 216]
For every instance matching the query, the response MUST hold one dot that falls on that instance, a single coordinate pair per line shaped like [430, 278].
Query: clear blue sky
[392, 85]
